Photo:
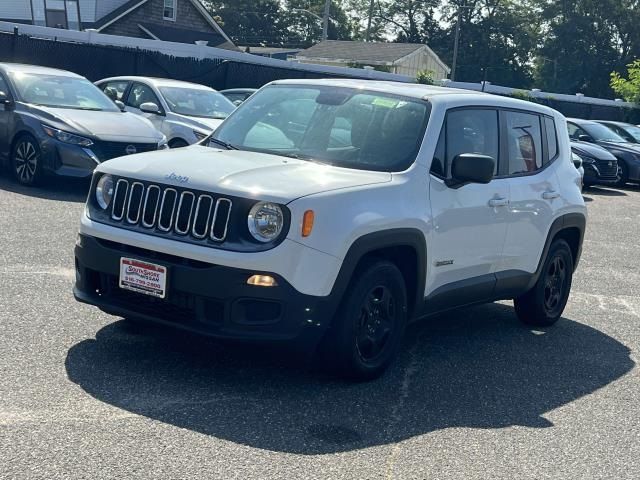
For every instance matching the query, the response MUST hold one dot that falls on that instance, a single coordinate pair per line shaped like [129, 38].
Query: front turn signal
[307, 223]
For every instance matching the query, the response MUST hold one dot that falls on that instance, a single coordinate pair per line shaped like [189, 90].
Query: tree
[628, 88]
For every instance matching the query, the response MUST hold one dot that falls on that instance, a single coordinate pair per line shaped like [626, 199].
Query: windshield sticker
[385, 102]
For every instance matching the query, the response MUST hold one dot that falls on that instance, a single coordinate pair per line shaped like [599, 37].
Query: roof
[364, 52]
[182, 35]
[36, 69]
[159, 82]
[435, 94]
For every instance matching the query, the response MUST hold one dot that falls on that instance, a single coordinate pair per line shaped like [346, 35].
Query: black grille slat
[607, 170]
[109, 150]
[165, 210]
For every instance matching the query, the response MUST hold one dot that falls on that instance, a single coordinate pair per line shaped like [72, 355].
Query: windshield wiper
[226, 145]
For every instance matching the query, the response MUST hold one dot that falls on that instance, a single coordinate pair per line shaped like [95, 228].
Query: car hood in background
[201, 123]
[592, 150]
[622, 147]
[109, 126]
[240, 173]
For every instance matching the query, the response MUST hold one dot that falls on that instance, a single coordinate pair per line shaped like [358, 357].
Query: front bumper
[68, 160]
[202, 297]
[593, 175]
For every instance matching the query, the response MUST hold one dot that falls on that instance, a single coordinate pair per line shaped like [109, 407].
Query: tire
[178, 143]
[543, 305]
[26, 161]
[623, 174]
[367, 331]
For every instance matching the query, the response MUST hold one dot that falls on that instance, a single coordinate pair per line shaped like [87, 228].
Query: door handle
[550, 195]
[498, 202]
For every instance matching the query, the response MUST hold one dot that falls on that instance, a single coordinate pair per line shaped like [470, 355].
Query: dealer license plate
[143, 277]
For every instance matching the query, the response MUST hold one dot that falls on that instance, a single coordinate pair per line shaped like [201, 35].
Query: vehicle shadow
[58, 189]
[604, 192]
[475, 368]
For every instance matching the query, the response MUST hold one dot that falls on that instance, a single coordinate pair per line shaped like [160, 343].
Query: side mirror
[585, 138]
[4, 98]
[471, 168]
[150, 107]
[119, 104]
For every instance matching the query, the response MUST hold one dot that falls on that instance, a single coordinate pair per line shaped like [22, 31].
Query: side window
[574, 131]
[438, 162]
[114, 90]
[140, 94]
[552, 139]
[3, 86]
[524, 142]
[472, 131]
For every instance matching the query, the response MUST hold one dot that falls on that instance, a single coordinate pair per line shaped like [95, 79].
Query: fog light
[262, 281]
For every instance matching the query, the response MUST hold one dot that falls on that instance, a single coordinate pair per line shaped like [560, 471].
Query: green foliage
[628, 88]
[522, 95]
[425, 77]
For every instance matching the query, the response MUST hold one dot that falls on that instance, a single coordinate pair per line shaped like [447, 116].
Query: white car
[185, 112]
[332, 227]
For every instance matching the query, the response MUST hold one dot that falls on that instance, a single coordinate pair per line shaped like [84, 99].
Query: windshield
[61, 92]
[633, 131]
[196, 102]
[600, 133]
[345, 127]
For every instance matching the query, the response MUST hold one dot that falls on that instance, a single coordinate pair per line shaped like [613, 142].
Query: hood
[621, 147]
[591, 150]
[206, 124]
[109, 126]
[240, 173]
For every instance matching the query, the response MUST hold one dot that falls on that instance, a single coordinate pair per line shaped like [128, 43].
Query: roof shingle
[360, 52]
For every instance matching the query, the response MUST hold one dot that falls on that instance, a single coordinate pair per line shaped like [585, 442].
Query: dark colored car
[238, 95]
[57, 122]
[628, 154]
[600, 166]
[631, 133]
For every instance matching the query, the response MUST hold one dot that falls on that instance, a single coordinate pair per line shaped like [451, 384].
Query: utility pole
[367, 36]
[325, 20]
[455, 45]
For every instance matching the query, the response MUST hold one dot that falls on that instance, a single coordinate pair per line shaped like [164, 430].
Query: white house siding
[15, 9]
[421, 60]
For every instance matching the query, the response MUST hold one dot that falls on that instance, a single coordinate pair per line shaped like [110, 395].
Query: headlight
[265, 221]
[66, 137]
[199, 135]
[104, 191]
[586, 159]
[163, 144]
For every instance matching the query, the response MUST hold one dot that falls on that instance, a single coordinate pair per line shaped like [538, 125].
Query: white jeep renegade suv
[327, 214]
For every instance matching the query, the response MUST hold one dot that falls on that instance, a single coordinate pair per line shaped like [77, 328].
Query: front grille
[108, 150]
[162, 209]
[607, 168]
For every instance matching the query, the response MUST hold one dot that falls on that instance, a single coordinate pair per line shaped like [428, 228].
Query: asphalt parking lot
[474, 395]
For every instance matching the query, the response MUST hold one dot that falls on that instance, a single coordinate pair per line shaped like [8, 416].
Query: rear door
[532, 149]
[470, 222]
[115, 89]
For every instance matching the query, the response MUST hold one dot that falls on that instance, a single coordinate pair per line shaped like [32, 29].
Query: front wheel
[26, 162]
[623, 174]
[544, 303]
[367, 331]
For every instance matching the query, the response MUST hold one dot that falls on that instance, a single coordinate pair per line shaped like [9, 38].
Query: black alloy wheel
[544, 303]
[367, 331]
[25, 160]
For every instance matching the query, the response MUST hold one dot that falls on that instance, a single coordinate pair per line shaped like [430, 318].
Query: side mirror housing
[471, 168]
[4, 98]
[150, 107]
[585, 138]
[119, 104]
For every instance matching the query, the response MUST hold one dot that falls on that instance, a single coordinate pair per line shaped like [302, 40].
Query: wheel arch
[405, 247]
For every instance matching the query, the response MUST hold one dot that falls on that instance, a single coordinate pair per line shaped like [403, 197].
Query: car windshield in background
[61, 92]
[633, 131]
[196, 102]
[345, 127]
[600, 133]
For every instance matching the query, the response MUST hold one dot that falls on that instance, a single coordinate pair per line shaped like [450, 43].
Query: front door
[140, 93]
[5, 120]
[469, 222]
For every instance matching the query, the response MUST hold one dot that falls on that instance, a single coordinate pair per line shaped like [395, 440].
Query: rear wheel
[367, 331]
[26, 163]
[545, 302]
